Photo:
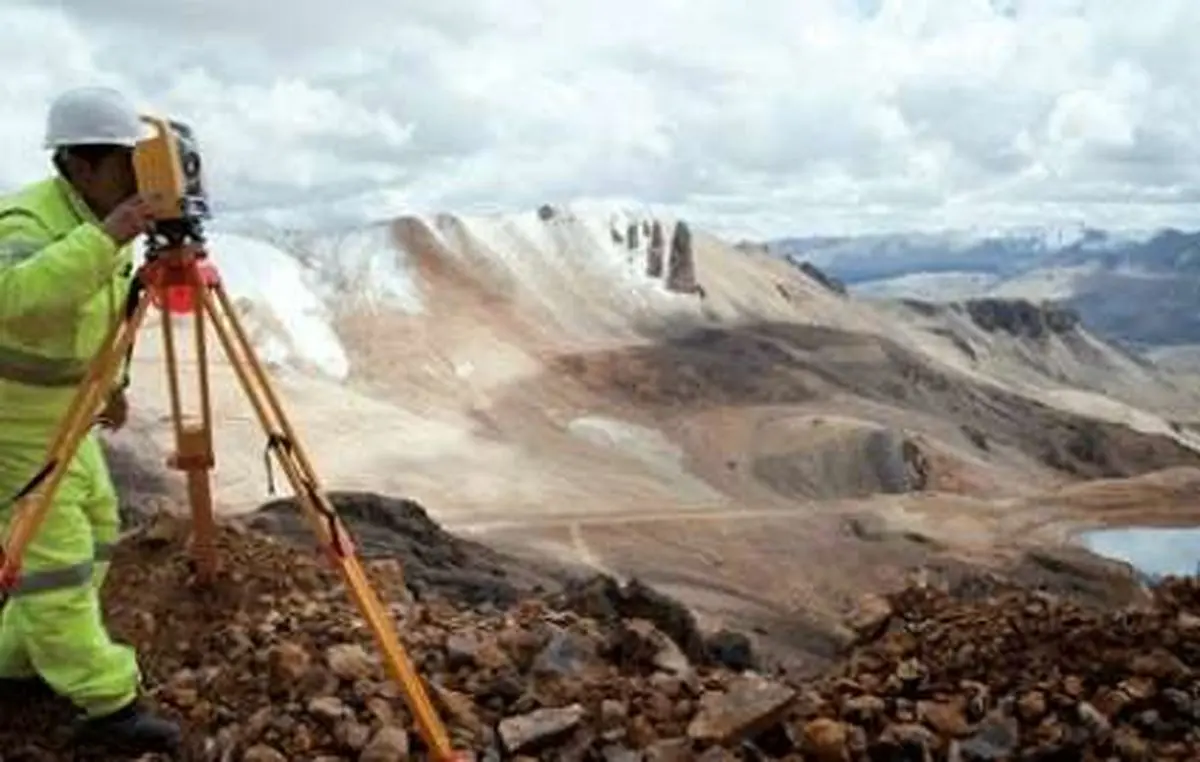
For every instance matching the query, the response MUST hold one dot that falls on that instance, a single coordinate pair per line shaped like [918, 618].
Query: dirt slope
[576, 389]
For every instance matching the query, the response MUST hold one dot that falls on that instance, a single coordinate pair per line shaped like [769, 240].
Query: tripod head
[168, 170]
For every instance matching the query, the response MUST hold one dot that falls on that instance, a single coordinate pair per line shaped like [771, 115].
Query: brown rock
[870, 616]
[908, 735]
[681, 264]
[286, 664]
[1031, 706]
[825, 740]
[350, 662]
[1073, 686]
[613, 713]
[1093, 719]
[752, 704]
[643, 643]
[457, 706]
[658, 708]
[263, 753]
[352, 734]
[1187, 621]
[717, 754]
[863, 709]
[183, 689]
[539, 726]
[948, 719]
[328, 709]
[1160, 664]
[1111, 701]
[616, 753]
[565, 653]
[1132, 747]
[381, 710]
[654, 256]
[641, 732]
[669, 750]
[390, 744]
[1138, 688]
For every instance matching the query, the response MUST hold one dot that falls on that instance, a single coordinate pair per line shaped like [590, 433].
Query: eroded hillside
[619, 391]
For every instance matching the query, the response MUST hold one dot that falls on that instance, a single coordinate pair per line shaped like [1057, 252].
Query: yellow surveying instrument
[179, 279]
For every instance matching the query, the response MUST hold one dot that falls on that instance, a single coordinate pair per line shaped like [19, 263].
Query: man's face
[108, 181]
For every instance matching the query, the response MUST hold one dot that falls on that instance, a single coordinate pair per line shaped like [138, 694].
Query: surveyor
[66, 256]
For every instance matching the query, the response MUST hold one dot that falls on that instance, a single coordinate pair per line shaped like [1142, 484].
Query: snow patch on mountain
[364, 265]
[287, 320]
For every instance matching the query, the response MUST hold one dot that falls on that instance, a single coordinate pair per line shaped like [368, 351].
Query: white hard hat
[92, 116]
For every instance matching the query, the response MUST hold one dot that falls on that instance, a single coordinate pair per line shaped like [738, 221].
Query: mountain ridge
[1107, 278]
[537, 381]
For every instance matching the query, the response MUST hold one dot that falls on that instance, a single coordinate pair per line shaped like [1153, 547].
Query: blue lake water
[1153, 551]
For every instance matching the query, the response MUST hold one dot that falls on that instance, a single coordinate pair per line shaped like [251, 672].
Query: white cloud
[761, 119]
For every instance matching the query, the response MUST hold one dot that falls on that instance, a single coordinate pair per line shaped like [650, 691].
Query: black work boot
[132, 729]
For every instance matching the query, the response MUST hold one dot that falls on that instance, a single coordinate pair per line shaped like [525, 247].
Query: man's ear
[77, 169]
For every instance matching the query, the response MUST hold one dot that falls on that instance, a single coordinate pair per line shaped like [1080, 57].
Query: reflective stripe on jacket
[63, 282]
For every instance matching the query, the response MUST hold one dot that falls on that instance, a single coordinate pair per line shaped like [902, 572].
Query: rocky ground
[274, 663]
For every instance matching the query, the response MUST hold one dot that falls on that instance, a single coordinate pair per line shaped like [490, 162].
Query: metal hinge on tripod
[276, 442]
[339, 543]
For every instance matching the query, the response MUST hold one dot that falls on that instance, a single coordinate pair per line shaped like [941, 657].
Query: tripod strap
[41, 476]
[280, 442]
[136, 289]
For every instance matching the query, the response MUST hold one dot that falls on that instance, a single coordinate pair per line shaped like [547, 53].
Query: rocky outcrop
[1016, 674]
[828, 282]
[274, 663]
[435, 562]
[681, 266]
[656, 253]
[632, 239]
[1021, 317]
[546, 212]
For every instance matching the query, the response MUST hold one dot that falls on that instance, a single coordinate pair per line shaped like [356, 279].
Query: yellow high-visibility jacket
[63, 283]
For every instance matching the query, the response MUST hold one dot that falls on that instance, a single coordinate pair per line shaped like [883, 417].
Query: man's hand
[131, 217]
[115, 413]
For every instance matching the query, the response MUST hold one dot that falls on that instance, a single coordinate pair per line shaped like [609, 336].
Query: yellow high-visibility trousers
[52, 624]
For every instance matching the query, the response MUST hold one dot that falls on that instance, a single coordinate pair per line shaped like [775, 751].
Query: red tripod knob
[180, 297]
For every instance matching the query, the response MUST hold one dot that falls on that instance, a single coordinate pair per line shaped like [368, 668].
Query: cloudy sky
[760, 118]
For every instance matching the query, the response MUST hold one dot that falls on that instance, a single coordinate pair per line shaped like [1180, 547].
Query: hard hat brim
[145, 132]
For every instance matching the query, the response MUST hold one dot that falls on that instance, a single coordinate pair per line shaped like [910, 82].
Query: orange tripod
[179, 278]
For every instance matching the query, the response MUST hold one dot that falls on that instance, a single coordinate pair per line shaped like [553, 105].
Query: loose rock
[519, 733]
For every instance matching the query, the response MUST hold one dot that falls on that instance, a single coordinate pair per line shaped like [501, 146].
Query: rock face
[434, 561]
[681, 266]
[632, 236]
[1021, 318]
[604, 599]
[655, 254]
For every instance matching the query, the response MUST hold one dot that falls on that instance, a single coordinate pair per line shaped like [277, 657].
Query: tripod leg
[198, 449]
[323, 518]
[193, 441]
[70, 433]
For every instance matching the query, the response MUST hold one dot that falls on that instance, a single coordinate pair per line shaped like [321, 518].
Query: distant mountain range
[1141, 289]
